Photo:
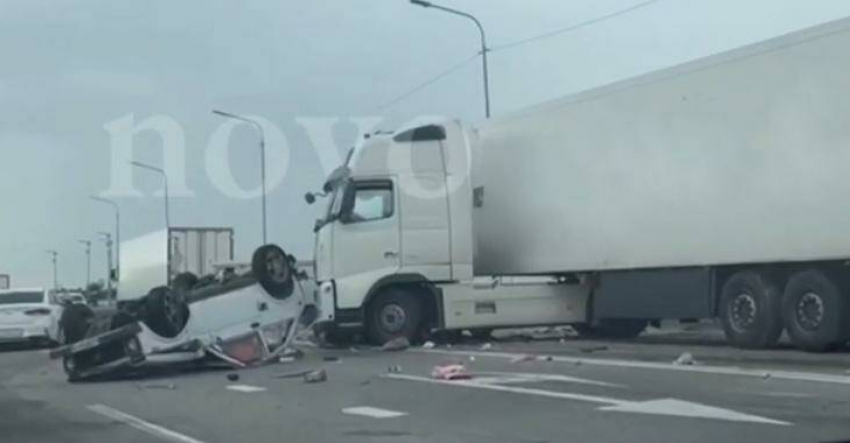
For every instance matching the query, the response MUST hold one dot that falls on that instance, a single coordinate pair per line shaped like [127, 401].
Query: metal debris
[317, 376]
[685, 359]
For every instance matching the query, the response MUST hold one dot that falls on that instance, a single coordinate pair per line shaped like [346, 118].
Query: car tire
[815, 311]
[750, 310]
[395, 312]
[612, 329]
[166, 313]
[273, 271]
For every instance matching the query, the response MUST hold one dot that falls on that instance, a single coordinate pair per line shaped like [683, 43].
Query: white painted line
[525, 377]
[246, 388]
[369, 411]
[679, 408]
[669, 406]
[142, 425]
[722, 370]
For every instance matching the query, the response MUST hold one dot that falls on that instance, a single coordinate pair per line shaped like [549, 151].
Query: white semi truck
[718, 188]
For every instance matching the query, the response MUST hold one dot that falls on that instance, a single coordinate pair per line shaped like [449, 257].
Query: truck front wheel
[395, 312]
[815, 311]
[750, 310]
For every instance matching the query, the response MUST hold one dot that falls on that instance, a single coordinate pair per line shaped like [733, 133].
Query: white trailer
[712, 189]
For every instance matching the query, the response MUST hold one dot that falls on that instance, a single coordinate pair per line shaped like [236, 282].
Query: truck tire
[395, 312]
[750, 310]
[815, 311]
[611, 328]
[167, 314]
[270, 266]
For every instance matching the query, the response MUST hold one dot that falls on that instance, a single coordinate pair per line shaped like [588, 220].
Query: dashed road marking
[369, 411]
[246, 388]
[142, 425]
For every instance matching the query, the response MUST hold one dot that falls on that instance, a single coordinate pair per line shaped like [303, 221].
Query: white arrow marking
[670, 407]
[679, 408]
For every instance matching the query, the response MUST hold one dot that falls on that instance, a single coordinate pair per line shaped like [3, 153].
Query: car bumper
[23, 334]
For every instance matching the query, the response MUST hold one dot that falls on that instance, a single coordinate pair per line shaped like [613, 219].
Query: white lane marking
[782, 394]
[525, 377]
[142, 425]
[669, 406]
[723, 370]
[246, 388]
[369, 411]
[679, 408]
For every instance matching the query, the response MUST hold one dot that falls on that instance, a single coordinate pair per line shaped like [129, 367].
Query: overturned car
[242, 316]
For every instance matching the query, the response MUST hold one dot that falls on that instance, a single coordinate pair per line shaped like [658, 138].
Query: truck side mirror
[310, 198]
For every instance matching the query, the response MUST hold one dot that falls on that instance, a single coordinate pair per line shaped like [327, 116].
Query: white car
[29, 316]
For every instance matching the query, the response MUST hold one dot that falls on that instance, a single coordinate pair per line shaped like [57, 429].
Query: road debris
[295, 374]
[286, 359]
[685, 359]
[396, 344]
[524, 357]
[168, 386]
[317, 376]
[589, 349]
[451, 372]
[394, 369]
[330, 358]
[428, 345]
[486, 346]
[766, 376]
[471, 358]
[233, 376]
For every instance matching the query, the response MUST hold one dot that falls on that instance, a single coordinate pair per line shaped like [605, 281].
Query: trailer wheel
[273, 272]
[167, 314]
[395, 312]
[612, 328]
[815, 311]
[750, 310]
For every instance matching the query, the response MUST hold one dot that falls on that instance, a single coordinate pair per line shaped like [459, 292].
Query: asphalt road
[526, 392]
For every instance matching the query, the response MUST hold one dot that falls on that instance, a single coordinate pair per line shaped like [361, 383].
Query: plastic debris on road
[396, 344]
[317, 376]
[685, 359]
[451, 372]
[233, 376]
[428, 345]
[486, 346]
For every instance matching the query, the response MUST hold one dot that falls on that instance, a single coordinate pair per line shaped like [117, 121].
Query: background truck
[713, 189]
[155, 259]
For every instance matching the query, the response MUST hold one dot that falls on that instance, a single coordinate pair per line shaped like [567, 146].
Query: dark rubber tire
[750, 310]
[612, 329]
[395, 312]
[832, 329]
[273, 271]
[167, 314]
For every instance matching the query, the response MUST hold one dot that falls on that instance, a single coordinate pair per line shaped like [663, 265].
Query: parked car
[29, 316]
[73, 298]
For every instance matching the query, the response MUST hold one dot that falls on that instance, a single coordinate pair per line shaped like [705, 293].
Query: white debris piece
[685, 359]
[486, 346]
[428, 345]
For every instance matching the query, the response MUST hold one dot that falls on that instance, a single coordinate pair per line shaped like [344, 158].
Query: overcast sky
[68, 68]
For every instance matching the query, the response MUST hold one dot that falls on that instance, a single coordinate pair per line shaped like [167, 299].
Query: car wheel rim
[744, 312]
[172, 311]
[276, 267]
[810, 311]
[392, 318]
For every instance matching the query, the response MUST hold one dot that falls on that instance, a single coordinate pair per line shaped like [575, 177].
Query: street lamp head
[422, 3]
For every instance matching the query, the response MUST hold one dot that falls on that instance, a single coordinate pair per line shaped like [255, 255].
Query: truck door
[365, 239]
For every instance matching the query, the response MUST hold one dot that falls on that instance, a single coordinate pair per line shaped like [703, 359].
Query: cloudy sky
[73, 72]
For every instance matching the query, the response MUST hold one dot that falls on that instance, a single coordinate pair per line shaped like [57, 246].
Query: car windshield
[10, 298]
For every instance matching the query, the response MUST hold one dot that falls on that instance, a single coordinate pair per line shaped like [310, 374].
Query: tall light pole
[427, 4]
[117, 209]
[259, 127]
[87, 244]
[54, 260]
[107, 238]
[165, 182]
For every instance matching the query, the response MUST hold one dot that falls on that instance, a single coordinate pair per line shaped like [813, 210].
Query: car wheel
[270, 266]
[815, 311]
[614, 329]
[394, 313]
[167, 314]
[750, 310]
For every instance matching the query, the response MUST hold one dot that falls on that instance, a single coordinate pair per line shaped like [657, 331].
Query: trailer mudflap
[86, 344]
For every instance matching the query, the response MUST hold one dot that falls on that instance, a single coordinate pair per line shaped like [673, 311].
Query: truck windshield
[11, 298]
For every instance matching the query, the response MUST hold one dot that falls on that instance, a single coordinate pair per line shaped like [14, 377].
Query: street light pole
[107, 238]
[54, 256]
[87, 243]
[117, 234]
[484, 50]
[259, 127]
[165, 182]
